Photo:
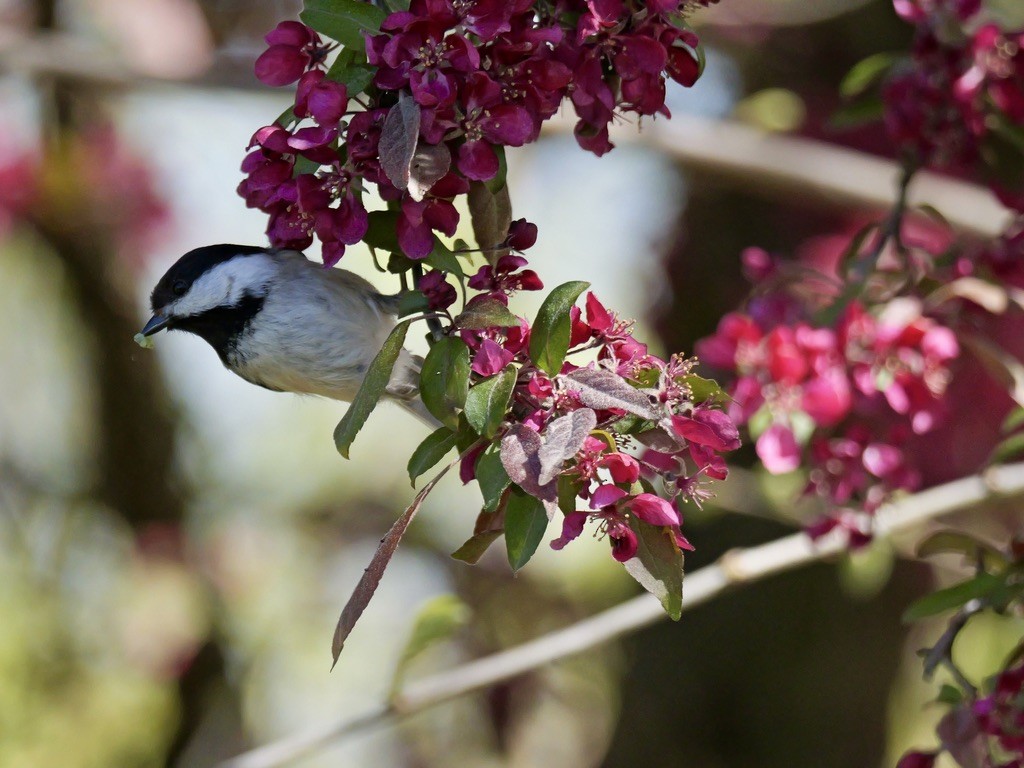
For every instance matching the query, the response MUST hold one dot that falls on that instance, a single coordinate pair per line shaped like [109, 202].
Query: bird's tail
[404, 387]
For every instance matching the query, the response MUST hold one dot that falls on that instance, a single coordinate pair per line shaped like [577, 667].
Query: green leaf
[954, 542]
[428, 453]
[490, 213]
[1010, 448]
[865, 73]
[347, 70]
[858, 113]
[436, 621]
[549, 339]
[702, 59]
[703, 390]
[777, 110]
[1014, 420]
[286, 118]
[486, 313]
[466, 436]
[497, 182]
[343, 20]
[304, 165]
[444, 380]
[568, 489]
[525, 523]
[474, 548]
[950, 694]
[658, 565]
[382, 232]
[412, 302]
[377, 377]
[951, 598]
[443, 258]
[487, 402]
[491, 477]
[758, 423]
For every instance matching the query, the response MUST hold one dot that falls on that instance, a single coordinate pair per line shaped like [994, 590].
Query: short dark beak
[156, 323]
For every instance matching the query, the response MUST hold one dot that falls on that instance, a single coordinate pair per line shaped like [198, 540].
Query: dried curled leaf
[602, 389]
[430, 164]
[398, 140]
[375, 570]
[562, 438]
[520, 456]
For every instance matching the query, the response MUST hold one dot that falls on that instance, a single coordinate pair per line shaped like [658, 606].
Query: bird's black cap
[191, 266]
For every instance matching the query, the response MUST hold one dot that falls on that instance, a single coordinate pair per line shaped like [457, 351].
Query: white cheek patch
[225, 284]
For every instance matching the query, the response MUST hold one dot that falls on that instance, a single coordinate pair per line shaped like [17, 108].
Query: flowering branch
[735, 568]
[817, 172]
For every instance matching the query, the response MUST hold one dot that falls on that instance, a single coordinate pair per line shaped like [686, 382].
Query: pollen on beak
[156, 323]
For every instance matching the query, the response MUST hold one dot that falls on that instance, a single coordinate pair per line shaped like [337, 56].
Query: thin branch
[813, 172]
[734, 568]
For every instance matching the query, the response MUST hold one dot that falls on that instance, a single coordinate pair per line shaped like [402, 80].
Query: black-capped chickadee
[283, 322]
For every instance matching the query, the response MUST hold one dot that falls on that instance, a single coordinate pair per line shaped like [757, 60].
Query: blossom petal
[653, 509]
[778, 450]
[572, 527]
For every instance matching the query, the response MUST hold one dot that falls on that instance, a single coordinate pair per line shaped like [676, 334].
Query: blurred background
[175, 544]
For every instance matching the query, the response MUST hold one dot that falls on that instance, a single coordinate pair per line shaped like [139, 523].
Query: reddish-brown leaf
[375, 570]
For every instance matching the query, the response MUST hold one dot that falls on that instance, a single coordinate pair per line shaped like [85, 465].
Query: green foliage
[954, 542]
[525, 523]
[487, 402]
[474, 548]
[984, 585]
[370, 391]
[658, 566]
[492, 477]
[346, 69]
[343, 20]
[435, 447]
[490, 211]
[444, 380]
[383, 232]
[705, 390]
[436, 621]
[549, 339]
[486, 313]
[866, 73]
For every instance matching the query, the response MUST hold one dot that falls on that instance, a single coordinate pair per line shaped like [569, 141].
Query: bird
[283, 322]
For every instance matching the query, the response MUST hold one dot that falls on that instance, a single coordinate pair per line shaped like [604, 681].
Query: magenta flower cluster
[838, 400]
[963, 92]
[613, 477]
[483, 75]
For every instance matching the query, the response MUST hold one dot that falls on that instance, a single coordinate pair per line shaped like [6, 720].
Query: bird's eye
[178, 287]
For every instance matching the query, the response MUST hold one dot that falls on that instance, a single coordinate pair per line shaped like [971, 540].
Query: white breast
[317, 332]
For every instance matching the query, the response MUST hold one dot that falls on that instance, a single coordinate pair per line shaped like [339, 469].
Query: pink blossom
[490, 358]
[293, 48]
[653, 509]
[778, 450]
